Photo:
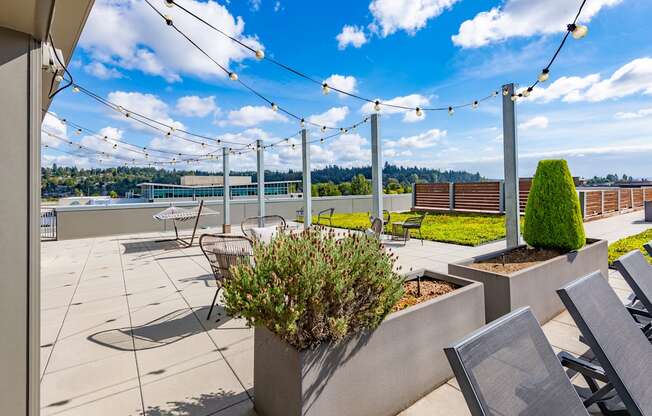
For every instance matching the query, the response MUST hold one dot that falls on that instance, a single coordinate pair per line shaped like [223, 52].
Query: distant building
[212, 187]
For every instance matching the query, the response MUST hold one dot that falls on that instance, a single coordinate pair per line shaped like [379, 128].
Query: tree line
[61, 181]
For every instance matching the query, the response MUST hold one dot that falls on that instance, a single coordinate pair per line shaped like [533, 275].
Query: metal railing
[48, 224]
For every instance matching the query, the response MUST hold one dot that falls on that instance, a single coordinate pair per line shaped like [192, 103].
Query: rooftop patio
[125, 332]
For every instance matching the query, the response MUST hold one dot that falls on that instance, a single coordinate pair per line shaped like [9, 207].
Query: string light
[377, 106]
[505, 91]
[233, 76]
[303, 123]
[451, 111]
[169, 3]
[78, 132]
[168, 20]
[260, 55]
[75, 88]
[419, 112]
[475, 104]
[58, 78]
[544, 75]
[578, 31]
[274, 107]
[325, 89]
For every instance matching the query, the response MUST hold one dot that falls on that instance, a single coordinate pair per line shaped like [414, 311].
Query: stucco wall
[94, 221]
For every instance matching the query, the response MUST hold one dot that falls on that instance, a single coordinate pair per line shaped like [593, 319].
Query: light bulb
[514, 97]
[233, 76]
[321, 140]
[544, 75]
[203, 145]
[63, 121]
[274, 107]
[168, 134]
[146, 156]
[78, 132]
[527, 92]
[505, 91]
[169, 3]
[303, 123]
[260, 54]
[168, 20]
[115, 146]
[578, 31]
[495, 93]
[323, 128]
[58, 78]
[451, 111]
[106, 138]
[419, 112]
[341, 129]
[475, 104]
[293, 145]
[325, 89]
[75, 88]
[377, 106]
[121, 109]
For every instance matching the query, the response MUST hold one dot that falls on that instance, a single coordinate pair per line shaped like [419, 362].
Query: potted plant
[557, 250]
[339, 332]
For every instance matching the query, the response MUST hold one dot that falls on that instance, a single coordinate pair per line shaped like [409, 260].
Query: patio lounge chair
[261, 222]
[508, 368]
[623, 352]
[326, 215]
[637, 272]
[222, 252]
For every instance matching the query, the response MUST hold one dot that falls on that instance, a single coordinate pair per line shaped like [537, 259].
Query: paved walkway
[124, 329]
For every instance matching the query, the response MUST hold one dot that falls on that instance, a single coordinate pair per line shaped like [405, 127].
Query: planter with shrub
[557, 251]
[339, 332]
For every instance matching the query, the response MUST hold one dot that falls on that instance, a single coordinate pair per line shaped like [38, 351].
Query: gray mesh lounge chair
[266, 221]
[222, 252]
[508, 368]
[637, 272]
[325, 215]
[648, 248]
[624, 353]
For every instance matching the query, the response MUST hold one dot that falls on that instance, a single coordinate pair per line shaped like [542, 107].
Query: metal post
[376, 169]
[602, 203]
[261, 180]
[510, 160]
[451, 196]
[501, 197]
[307, 181]
[226, 227]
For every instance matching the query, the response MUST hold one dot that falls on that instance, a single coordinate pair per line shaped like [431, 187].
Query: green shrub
[627, 244]
[312, 287]
[553, 217]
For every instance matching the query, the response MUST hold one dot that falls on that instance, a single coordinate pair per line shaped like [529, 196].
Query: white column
[376, 168]
[261, 178]
[226, 169]
[307, 181]
[510, 160]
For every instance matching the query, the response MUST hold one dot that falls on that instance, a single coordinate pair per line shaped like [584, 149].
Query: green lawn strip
[627, 244]
[456, 228]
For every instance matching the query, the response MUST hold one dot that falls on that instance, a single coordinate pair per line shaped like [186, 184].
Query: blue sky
[595, 110]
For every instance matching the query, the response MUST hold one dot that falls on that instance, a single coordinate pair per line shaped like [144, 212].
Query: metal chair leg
[213, 304]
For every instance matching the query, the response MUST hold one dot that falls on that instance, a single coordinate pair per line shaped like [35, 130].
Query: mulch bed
[515, 260]
[430, 289]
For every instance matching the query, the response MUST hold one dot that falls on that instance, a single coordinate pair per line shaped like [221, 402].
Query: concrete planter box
[534, 286]
[379, 373]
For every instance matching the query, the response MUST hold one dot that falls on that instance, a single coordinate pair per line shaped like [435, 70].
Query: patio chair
[387, 217]
[260, 222]
[637, 272]
[376, 229]
[648, 248]
[326, 214]
[508, 368]
[623, 352]
[222, 252]
[414, 223]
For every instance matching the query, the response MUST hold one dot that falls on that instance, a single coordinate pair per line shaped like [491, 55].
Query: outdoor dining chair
[376, 229]
[623, 352]
[402, 229]
[326, 215]
[222, 252]
[261, 222]
[509, 368]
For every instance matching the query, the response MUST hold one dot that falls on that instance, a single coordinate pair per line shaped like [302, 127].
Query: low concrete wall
[96, 221]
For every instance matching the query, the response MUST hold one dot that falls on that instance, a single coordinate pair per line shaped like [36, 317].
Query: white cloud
[101, 71]
[423, 140]
[411, 101]
[351, 35]
[195, 106]
[254, 5]
[524, 18]
[538, 122]
[407, 15]
[644, 112]
[148, 105]
[277, 6]
[330, 118]
[632, 78]
[346, 83]
[53, 125]
[252, 115]
[130, 35]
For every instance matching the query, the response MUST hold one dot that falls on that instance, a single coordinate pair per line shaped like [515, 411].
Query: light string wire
[325, 87]
[545, 73]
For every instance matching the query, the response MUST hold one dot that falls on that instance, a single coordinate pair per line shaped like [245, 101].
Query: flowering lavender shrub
[314, 287]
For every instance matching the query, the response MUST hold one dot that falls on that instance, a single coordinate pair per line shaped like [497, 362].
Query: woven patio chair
[387, 217]
[222, 252]
[376, 229]
[327, 215]
[414, 223]
[509, 368]
[261, 222]
[623, 353]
